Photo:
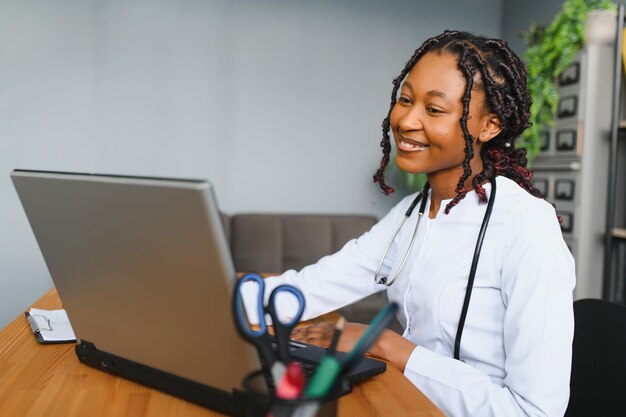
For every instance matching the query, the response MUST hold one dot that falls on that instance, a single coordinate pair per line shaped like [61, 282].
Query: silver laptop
[143, 268]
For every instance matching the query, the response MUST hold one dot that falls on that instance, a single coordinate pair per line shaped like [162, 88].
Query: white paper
[54, 325]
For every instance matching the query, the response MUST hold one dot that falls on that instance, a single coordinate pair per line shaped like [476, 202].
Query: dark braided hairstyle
[502, 77]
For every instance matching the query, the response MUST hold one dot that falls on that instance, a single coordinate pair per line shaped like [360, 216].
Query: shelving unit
[614, 285]
[572, 167]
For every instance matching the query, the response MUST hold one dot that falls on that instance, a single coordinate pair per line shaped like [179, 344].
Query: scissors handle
[283, 329]
[259, 338]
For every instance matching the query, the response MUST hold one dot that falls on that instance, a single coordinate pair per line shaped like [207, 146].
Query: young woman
[456, 110]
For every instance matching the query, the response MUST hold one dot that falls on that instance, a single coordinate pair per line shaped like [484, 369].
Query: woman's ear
[490, 127]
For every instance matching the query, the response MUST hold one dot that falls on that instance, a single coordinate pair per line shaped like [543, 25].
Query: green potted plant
[551, 51]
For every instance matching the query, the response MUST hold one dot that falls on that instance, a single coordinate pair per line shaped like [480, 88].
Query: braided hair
[502, 77]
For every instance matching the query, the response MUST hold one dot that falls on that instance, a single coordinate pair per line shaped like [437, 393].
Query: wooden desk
[48, 380]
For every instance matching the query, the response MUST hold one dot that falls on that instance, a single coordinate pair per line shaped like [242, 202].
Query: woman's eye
[433, 110]
[404, 100]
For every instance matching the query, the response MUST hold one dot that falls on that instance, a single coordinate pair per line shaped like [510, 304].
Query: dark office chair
[598, 382]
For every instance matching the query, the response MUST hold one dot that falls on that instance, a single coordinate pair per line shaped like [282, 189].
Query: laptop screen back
[143, 268]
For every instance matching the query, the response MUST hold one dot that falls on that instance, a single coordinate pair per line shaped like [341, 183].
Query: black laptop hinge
[89, 355]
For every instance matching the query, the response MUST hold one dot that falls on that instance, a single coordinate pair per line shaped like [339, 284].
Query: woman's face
[426, 119]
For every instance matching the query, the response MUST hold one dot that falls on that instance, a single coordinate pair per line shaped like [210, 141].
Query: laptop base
[233, 404]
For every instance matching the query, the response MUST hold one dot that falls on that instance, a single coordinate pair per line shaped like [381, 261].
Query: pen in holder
[263, 401]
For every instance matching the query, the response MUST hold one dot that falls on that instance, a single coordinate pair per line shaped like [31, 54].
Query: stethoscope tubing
[473, 268]
[420, 197]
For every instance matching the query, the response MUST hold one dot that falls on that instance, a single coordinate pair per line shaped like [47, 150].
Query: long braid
[499, 162]
[468, 72]
[495, 100]
[503, 79]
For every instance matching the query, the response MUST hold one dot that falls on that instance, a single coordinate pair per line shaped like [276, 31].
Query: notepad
[50, 326]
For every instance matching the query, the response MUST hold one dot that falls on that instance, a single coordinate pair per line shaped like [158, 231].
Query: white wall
[279, 103]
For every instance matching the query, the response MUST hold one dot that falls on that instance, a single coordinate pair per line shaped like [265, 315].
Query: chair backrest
[277, 242]
[598, 382]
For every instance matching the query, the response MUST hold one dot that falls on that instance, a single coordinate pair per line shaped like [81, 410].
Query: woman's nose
[410, 121]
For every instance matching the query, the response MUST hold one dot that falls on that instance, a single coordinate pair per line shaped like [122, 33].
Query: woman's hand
[321, 334]
[389, 346]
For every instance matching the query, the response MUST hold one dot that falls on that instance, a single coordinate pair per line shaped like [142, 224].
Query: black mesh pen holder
[263, 402]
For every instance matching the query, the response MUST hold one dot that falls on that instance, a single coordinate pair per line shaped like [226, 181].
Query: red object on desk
[292, 383]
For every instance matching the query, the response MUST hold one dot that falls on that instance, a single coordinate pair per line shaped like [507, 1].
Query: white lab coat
[516, 345]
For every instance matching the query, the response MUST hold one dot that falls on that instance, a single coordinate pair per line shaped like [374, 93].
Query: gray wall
[278, 104]
[518, 15]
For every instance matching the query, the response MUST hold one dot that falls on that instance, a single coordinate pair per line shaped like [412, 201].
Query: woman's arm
[339, 279]
[389, 346]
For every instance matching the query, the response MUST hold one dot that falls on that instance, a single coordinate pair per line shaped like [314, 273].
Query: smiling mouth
[408, 145]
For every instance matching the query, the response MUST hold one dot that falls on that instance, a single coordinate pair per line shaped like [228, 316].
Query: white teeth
[411, 146]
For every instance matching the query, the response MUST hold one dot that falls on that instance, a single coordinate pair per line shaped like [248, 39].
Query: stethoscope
[384, 280]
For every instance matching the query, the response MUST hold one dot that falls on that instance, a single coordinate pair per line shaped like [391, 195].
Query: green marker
[376, 327]
[324, 377]
[330, 368]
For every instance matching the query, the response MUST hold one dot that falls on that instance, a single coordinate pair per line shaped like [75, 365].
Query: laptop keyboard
[309, 366]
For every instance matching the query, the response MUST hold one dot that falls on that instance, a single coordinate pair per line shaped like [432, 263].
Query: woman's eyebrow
[437, 93]
[432, 93]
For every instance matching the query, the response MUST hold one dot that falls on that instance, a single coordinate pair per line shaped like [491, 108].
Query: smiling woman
[425, 123]
[462, 68]
[456, 110]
